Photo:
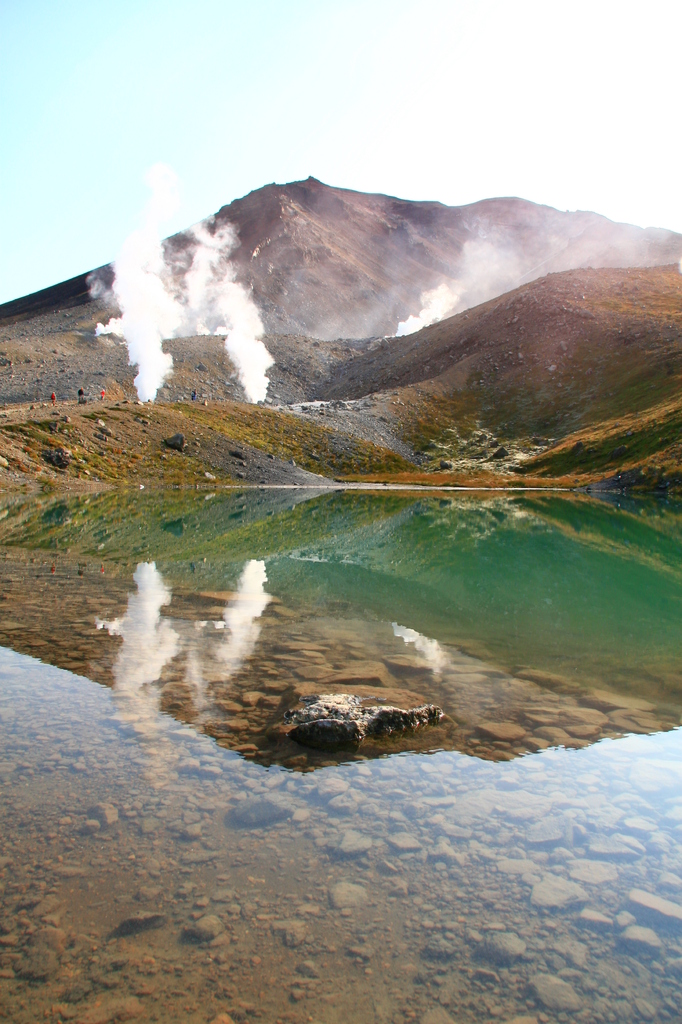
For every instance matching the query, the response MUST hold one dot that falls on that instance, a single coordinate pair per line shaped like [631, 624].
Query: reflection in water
[148, 873]
[149, 642]
[430, 649]
[241, 616]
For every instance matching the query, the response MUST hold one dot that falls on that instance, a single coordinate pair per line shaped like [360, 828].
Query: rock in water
[347, 894]
[140, 923]
[334, 720]
[555, 892]
[176, 442]
[206, 929]
[258, 812]
[556, 994]
[503, 947]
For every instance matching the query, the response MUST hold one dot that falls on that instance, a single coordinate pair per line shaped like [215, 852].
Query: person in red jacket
[53, 398]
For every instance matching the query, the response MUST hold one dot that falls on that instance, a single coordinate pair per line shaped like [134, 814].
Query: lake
[174, 847]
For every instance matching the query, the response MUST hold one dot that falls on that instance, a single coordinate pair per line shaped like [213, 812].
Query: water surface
[168, 852]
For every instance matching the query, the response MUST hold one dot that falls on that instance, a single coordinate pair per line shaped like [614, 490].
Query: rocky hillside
[331, 263]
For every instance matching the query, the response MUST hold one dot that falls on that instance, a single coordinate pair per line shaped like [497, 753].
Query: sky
[576, 105]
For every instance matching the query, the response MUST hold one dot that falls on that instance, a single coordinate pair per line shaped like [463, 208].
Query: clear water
[167, 852]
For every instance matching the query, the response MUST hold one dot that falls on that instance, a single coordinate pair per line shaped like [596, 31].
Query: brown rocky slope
[332, 263]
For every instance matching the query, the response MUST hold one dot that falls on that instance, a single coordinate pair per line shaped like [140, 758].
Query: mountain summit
[332, 263]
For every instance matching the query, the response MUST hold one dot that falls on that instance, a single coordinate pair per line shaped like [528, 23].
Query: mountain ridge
[332, 263]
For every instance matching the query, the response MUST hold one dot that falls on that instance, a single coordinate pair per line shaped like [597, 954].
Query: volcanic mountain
[331, 263]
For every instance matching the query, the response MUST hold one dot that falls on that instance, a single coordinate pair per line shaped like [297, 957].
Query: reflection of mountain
[567, 586]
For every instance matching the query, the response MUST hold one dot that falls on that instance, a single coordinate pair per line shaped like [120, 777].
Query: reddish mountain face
[330, 263]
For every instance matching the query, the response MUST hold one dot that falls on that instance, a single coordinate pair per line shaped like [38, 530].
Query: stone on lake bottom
[656, 906]
[591, 918]
[555, 993]
[206, 929]
[108, 1013]
[507, 732]
[593, 872]
[347, 894]
[548, 832]
[258, 812]
[503, 947]
[636, 935]
[353, 844]
[555, 892]
[293, 932]
[437, 1015]
[105, 813]
[514, 866]
[139, 923]
[403, 842]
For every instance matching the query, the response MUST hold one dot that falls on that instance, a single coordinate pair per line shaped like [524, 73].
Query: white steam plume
[149, 313]
[217, 304]
[159, 301]
[490, 267]
[437, 303]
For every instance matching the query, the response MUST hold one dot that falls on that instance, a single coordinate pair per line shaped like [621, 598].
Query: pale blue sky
[572, 104]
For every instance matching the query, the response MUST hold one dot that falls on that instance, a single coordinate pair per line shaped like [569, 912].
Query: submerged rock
[556, 994]
[339, 720]
[139, 923]
[258, 812]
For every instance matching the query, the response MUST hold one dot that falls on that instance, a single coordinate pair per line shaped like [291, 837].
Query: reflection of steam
[149, 643]
[241, 616]
[430, 649]
[208, 301]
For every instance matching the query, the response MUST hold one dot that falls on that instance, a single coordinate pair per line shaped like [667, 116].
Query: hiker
[53, 398]
[81, 396]
[194, 396]
[103, 394]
